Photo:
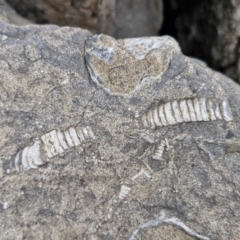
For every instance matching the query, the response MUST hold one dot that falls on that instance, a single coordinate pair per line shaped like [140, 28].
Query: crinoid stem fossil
[124, 191]
[51, 145]
[142, 172]
[160, 149]
[174, 221]
[190, 110]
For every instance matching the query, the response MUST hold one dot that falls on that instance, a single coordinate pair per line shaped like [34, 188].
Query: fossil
[51, 145]
[160, 149]
[142, 172]
[124, 191]
[190, 110]
[173, 221]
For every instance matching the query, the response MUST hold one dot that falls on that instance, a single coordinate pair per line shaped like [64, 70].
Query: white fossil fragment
[141, 172]
[203, 108]
[190, 110]
[156, 117]
[192, 113]
[68, 138]
[49, 139]
[124, 191]
[177, 112]
[54, 143]
[226, 111]
[210, 107]
[162, 116]
[185, 111]
[62, 140]
[174, 221]
[160, 149]
[197, 109]
[29, 157]
[169, 115]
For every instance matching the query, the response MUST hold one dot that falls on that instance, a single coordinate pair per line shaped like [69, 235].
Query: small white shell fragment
[150, 119]
[210, 108]
[25, 159]
[62, 140]
[185, 111]
[90, 132]
[124, 191]
[142, 172]
[74, 136]
[47, 140]
[36, 153]
[169, 115]
[162, 116]
[156, 117]
[57, 148]
[203, 108]
[30, 157]
[160, 149]
[226, 111]
[16, 161]
[177, 112]
[191, 110]
[217, 112]
[69, 139]
[197, 109]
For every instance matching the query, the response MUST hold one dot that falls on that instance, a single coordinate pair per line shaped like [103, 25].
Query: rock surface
[213, 34]
[118, 18]
[110, 170]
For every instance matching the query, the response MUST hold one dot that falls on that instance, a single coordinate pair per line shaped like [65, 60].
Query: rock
[7, 14]
[149, 152]
[118, 18]
[213, 34]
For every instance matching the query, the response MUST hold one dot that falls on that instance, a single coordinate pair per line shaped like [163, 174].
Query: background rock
[210, 30]
[193, 189]
[118, 18]
[7, 14]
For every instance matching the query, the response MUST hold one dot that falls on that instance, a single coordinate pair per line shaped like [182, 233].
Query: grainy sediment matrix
[105, 139]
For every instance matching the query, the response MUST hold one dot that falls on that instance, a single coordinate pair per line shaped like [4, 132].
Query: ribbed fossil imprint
[190, 110]
[160, 149]
[50, 145]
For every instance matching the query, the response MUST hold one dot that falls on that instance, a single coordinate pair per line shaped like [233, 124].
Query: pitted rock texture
[192, 192]
[118, 18]
[210, 30]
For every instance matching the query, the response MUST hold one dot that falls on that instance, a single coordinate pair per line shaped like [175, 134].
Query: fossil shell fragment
[51, 145]
[190, 110]
[124, 191]
[160, 149]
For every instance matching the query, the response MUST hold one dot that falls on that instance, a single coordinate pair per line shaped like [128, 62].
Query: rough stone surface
[191, 192]
[118, 18]
[214, 32]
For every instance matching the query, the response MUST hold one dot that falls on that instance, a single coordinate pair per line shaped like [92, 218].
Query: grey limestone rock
[150, 151]
[210, 30]
[118, 18]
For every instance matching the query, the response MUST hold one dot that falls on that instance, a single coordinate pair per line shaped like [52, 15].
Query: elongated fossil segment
[160, 149]
[50, 145]
[55, 142]
[124, 191]
[190, 110]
